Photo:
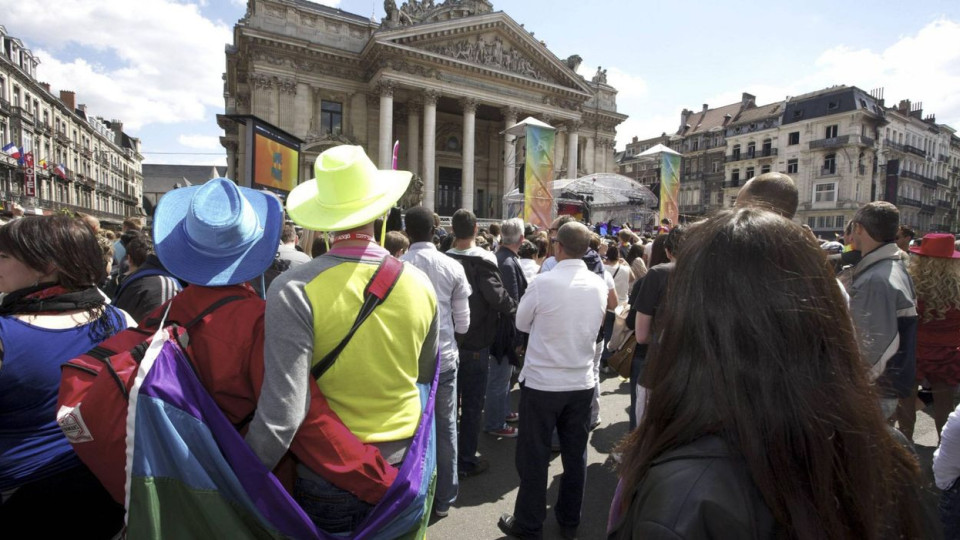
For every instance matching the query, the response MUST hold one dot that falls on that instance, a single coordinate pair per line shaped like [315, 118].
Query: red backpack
[94, 391]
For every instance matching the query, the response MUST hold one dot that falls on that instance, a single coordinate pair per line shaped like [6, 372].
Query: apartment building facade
[80, 163]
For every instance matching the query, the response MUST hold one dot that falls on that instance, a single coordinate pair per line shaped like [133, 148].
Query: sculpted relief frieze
[301, 64]
[491, 53]
[398, 64]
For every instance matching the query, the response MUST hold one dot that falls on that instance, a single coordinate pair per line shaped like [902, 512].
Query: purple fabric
[172, 380]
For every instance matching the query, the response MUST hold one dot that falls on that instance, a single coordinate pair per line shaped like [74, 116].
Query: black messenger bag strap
[377, 291]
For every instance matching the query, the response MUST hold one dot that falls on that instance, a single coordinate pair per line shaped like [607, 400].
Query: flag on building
[12, 150]
[43, 164]
[60, 171]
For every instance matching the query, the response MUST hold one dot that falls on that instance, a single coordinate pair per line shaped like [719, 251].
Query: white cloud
[169, 57]
[924, 66]
[201, 142]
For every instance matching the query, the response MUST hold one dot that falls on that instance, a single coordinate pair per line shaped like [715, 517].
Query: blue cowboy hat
[217, 233]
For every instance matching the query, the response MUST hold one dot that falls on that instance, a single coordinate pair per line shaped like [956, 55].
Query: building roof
[761, 112]
[704, 121]
[320, 8]
[830, 101]
[163, 178]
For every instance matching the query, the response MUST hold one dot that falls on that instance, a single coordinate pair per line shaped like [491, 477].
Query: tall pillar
[386, 124]
[413, 137]
[469, 138]
[590, 156]
[429, 148]
[509, 151]
[558, 147]
[572, 141]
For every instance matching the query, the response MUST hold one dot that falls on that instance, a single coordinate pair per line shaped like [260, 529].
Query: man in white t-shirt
[562, 311]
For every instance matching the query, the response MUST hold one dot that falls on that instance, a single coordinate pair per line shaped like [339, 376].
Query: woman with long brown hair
[935, 269]
[761, 421]
[52, 311]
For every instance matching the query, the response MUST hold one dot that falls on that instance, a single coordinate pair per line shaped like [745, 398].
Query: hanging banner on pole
[538, 175]
[669, 186]
[29, 176]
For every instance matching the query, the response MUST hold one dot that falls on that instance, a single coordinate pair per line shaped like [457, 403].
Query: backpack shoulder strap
[377, 291]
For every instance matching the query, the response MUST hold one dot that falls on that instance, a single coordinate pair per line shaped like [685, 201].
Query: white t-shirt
[620, 274]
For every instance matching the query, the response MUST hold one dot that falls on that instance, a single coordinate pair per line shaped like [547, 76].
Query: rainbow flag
[191, 475]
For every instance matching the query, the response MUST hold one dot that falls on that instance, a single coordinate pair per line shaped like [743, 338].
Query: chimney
[705, 107]
[904, 106]
[117, 127]
[635, 139]
[69, 98]
[917, 110]
[46, 86]
[684, 118]
[83, 108]
[746, 100]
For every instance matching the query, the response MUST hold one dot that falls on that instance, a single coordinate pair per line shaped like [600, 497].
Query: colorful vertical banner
[538, 176]
[29, 176]
[669, 186]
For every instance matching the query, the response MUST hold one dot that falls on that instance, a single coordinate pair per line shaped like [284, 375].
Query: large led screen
[276, 160]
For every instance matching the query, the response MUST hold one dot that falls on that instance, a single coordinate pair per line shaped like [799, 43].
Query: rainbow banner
[538, 176]
[669, 186]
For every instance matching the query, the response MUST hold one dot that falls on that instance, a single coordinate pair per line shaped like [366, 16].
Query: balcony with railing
[944, 204]
[733, 183]
[42, 128]
[927, 208]
[893, 145]
[5, 106]
[842, 140]
[906, 201]
[914, 150]
[828, 171]
[940, 227]
[62, 137]
[86, 152]
[927, 182]
[942, 181]
[943, 159]
[23, 114]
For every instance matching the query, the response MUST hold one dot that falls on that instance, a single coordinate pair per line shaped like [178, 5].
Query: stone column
[559, 144]
[429, 148]
[469, 140]
[386, 125]
[509, 151]
[572, 141]
[590, 156]
[413, 136]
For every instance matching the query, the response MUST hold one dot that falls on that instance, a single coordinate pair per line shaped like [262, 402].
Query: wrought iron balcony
[842, 140]
[914, 150]
[733, 183]
[927, 209]
[828, 171]
[944, 204]
[906, 201]
[24, 114]
[943, 181]
[5, 106]
[943, 159]
[927, 182]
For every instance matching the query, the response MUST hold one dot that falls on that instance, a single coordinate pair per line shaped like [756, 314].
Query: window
[749, 173]
[812, 222]
[735, 175]
[830, 164]
[751, 149]
[831, 131]
[793, 138]
[331, 117]
[825, 192]
[736, 152]
[767, 147]
[792, 166]
[764, 169]
[696, 145]
[822, 222]
[833, 105]
[716, 166]
[839, 222]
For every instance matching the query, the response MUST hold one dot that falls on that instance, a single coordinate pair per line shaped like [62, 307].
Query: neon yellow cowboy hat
[348, 191]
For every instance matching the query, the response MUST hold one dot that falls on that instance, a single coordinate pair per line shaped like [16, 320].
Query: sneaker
[441, 513]
[479, 467]
[507, 432]
[508, 526]
[513, 417]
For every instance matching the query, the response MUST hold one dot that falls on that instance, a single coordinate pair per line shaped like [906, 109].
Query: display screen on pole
[276, 160]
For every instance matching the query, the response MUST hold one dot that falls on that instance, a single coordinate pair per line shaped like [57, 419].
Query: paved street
[483, 498]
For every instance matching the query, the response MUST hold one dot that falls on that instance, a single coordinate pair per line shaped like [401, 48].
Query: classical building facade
[101, 164]
[841, 145]
[444, 79]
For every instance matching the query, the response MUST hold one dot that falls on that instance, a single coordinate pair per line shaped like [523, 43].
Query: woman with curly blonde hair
[935, 268]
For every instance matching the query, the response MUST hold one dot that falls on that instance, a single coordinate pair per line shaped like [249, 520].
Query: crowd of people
[774, 382]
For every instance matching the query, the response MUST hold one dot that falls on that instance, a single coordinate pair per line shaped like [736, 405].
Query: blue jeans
[332, 509]
[540, 413]
[608, 319]
[472, 389]
[448, 483]
[498, 394]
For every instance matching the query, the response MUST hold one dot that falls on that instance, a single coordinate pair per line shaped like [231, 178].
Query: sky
[157, 65]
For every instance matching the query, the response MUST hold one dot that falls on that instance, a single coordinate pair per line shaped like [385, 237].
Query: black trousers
[540, 413]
